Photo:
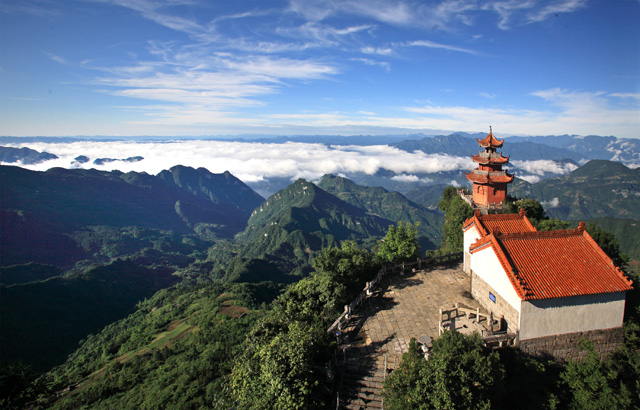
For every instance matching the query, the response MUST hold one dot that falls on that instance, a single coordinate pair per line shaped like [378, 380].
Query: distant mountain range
[72, 237]
[25, 156]
[41, 209]
[88, 239]
[597, 189]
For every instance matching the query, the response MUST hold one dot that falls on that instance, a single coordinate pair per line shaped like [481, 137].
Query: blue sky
[197, 67]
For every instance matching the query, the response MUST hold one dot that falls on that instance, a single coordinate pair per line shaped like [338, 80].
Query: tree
[532, 208]
[317, 298]
[276, 369]
[350, 264]
[594, 384]
[400, 243]
[460, 374]
[536, 214]
[456, 212]
[608, 242]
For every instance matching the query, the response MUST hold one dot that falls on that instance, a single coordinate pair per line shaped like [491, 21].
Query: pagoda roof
[485, 177]
[482, 159]
[490, 141]
[554, 264]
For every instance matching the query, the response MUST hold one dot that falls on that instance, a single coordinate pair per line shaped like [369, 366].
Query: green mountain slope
[391, 206]
[295, 222]
[42, 321]
[171, 352]
[24, 155]
[288, 228]
[459, 144]
[597, 189]
[224, 190]
[40, 210]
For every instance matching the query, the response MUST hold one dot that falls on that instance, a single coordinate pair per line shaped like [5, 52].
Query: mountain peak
[601, 168]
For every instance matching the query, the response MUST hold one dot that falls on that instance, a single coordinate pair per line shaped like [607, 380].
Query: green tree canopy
[594, 384]
[400, 243]
[536, 214]
[275, 371]
[609, 244]
[460, 374]
[456, 211]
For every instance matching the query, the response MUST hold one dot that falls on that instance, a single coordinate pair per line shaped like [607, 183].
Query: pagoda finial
[490, 130]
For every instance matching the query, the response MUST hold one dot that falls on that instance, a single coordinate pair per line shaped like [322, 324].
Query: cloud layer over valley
[250, 161]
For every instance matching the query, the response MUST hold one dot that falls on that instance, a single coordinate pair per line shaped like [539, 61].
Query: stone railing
[388, 268]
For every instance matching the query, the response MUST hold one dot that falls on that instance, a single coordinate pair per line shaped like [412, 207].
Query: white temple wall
[547, 317]
[470, 236]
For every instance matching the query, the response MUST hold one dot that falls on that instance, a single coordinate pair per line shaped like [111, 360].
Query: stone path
[404, 308]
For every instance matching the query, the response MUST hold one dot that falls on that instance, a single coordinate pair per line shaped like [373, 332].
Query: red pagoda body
[489, 180]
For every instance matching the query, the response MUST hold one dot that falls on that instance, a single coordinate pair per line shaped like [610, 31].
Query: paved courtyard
[405, 307]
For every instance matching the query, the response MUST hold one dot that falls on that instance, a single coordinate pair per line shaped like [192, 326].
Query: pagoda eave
[488, 161]
[488, 179]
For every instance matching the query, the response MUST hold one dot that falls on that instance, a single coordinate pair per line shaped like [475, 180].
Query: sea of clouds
[249, 161]
[253, 162]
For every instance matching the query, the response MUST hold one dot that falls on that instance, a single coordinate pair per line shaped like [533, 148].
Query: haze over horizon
[193, 68]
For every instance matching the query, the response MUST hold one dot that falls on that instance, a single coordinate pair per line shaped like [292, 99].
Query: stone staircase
[362, 380]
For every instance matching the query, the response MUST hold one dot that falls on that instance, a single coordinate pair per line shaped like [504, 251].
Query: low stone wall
[567, 346]
[480, 292]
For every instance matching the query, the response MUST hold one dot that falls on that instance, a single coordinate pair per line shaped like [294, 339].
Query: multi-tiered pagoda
[489, 180]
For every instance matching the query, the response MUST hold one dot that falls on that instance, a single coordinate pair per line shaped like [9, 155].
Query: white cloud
[431, 44]
[540, 167]
[565, 6]
[251, 161]
[626, 95]
[410, 178]
[490, 96]
[57, 59]
[443, 15]
[532, 179]
[383, 51]
[367, 61]
[568, 112]
[554, 203]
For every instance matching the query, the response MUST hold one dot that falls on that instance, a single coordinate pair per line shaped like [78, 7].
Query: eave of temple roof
[498, 177]
[497, 160]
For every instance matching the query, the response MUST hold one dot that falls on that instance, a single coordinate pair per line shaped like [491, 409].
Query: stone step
[360, 403]
[368, 379]
[358, 383]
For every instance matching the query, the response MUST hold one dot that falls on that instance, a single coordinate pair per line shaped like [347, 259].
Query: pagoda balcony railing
[486, 154]
[490, 173]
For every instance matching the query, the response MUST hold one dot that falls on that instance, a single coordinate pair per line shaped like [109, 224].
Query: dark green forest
[187, 290]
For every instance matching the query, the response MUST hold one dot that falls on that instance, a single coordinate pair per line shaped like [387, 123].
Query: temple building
[489, 179]
[551, 288]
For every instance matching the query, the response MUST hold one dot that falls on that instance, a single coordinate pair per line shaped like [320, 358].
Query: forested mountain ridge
[285, 231]
[42, 321]
[41, 211]
[24, 155]
[464, 145]
[597, 189]
[79, 248]
[392, 206]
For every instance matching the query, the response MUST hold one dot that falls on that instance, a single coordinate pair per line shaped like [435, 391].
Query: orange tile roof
[502, 160]
[490, 141]
[487, 178]
[554, 264]
[505, 223]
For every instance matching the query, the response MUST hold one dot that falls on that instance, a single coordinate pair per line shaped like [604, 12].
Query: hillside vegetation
[595, 190]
